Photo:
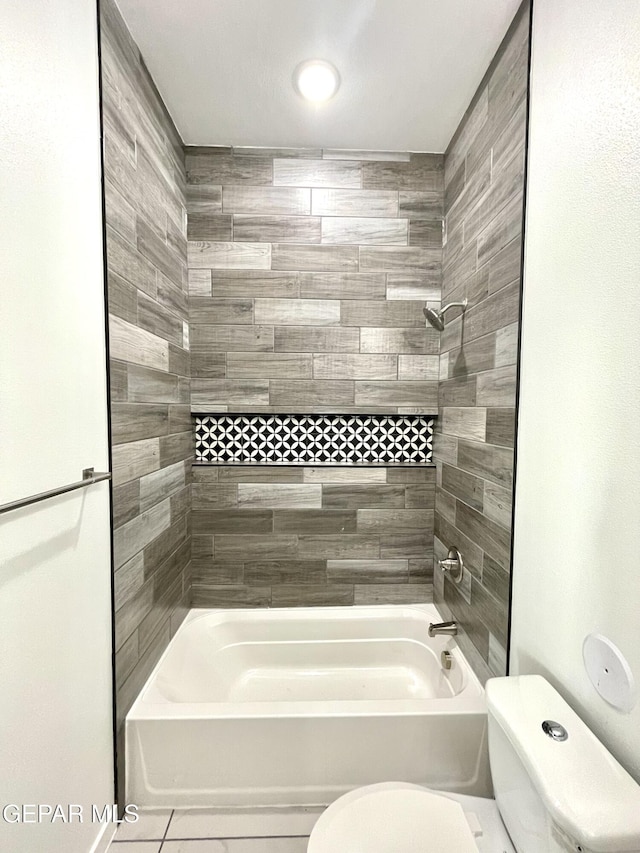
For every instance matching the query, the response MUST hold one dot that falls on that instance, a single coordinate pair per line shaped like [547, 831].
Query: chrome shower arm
[462, 304]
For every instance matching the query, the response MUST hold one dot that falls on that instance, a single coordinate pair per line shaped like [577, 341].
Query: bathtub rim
[469, 701]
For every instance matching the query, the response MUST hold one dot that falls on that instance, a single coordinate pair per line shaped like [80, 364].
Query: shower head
[436, 318]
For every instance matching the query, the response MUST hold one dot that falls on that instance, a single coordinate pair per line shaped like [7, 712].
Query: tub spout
[450, 628]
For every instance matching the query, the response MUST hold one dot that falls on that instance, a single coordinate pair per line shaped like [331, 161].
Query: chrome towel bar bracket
[89, 477]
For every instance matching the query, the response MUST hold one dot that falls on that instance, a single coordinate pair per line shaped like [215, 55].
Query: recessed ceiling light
[316, 80]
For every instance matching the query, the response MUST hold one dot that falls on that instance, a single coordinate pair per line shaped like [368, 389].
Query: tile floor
[217, 831]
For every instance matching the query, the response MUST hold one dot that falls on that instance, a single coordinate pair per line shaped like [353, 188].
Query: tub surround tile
[389, 520]
[362, 496]
[279, 496]
[273, 257]
[313, 339]
[253, 547]
[421, 171]
[126, 502]
[365, 230]
[418, 287]
[290, 312]
[311, 395]
[207, 339]
[266, 201]
[481, 261]
[345, 475]
[206, 166]
[310, 521]
[419, 497]
[233, 521]
[421, 570]
[228, 255]
[341, 285]
[281, 365]
[355, 366]
[130, 343]
[276, 229]
[487, 461]
[400, 259]
[317, 173]
[501, 426]
[410, 543]
[208, 572]
[253, 283]
[408, 593]
[411, 341]
[287, 256]
[128, 579]
[417, 395]
[313, 303]
[418, 367]
[228, 311]
[362, 529]
[204, 198]
[367, 571]
[232, 595]
[328, 595]
[131, 461]
[276, 572]
[152, 438]
[199, 282]
[254, 474]
[369, 203]
[135, 534]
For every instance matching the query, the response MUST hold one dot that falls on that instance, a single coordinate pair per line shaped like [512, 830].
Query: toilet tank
[556, 795]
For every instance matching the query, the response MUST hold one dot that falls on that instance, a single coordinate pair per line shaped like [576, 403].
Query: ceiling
[409, 67]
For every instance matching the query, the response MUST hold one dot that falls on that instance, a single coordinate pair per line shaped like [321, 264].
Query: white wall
[55, 665]
[577, 529]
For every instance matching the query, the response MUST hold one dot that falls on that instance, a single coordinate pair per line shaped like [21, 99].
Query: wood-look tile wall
[473, 448]
[308, 272]
[276, 536]
[150, 385]
[307, 279]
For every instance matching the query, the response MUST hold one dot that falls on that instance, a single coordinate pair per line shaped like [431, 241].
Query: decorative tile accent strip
[314, 439]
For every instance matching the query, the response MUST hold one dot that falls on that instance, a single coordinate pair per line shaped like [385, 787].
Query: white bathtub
[298, 706]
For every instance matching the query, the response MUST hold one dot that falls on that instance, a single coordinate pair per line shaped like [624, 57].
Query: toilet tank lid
[587, 793]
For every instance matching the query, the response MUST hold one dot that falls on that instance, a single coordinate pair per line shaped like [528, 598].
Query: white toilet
[557, 789]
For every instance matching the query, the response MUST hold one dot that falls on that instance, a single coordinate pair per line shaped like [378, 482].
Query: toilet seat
[392, 817]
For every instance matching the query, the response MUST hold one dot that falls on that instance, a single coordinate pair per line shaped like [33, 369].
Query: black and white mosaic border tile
[314, 439]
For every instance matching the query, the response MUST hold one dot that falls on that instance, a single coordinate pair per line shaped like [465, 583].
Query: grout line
[210, 838]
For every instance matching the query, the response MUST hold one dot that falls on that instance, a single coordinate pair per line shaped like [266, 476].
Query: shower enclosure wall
[307, 278]
[152, 438]
[482, 256]
[279, 294]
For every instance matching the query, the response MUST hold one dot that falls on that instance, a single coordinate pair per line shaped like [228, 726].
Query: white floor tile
[242, 823]
[135, 847]
[237, 845]
[201, 845]
[151, 825]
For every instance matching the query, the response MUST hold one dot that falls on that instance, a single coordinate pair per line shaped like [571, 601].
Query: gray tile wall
[473, 447]
[307, 279]
[269, 536]
[150, 385]
[308, 273]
